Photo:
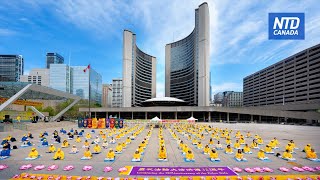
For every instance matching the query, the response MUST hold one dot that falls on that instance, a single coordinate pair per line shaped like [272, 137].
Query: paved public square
[301, 135]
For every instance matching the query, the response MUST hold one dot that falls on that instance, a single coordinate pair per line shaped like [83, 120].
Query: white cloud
[7, 32]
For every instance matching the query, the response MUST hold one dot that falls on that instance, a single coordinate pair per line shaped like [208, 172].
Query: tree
[50, 110]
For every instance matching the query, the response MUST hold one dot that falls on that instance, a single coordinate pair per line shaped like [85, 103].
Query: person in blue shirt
[45, 142]
[45, 133]
[4, 140]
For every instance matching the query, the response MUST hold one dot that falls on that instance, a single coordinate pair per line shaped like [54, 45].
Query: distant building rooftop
[164, 101]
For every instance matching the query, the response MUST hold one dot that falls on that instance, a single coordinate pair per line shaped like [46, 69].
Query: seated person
[6, 148]
[236, 145]
[71, 136]
[228, 150]
[51, 149]
[45, 133]
[268, 150]
[105, 144]
[307, 148]
[30, 135]
[161, 142]
[112, 141]
[228, 141]
[181, 144]
[256, 136]
[96, 149]
[65, 144]
[74, 150]
[110, 155]
[33, 154]
[254, 144]
[214, 155]
[246, 149]
[58, 139]
[26, 143]
[185, 149]
[260, 141]
[242, 141]
[88, 136]
[239, 156]
[312, 155]
[288, 156]
[119, 148]
[4, 140]
[206, 149]
[218, 146]
[75, 132]
[276, 141]
[96, 140]
[81, 133]
[248, 135]
[59, 155]
[194, 141]
[136, 156]
[24, 138]
[63, 131]
[45, 142]
[211, 142]
[143, 144]
[86, 144]
[78, 139]
[43, 138]
[290, 148]
[199, 145]
[261, 155]
[162, 154]
[124, 145]
[189, 156]
[132, 137]
[41, 135]
[87, 154]
[12, 139]
[293, 144]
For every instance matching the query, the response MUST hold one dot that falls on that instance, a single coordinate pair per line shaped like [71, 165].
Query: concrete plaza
[302, 135]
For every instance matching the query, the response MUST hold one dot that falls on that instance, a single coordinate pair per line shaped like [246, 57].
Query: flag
[88, 67]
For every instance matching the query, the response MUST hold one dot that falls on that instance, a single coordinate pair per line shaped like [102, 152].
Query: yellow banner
[22, 102]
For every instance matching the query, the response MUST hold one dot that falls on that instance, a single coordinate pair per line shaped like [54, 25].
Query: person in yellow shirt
[268, 150]
[118, 148]
[86, 155]
[307, 148]
[288, 156]
[248, 135]
[311, 155]
[206, 149]
[65, 144]
[86, 144]
[211, 142]
[228, 150]
[78, 139]
[128, 140]
[261, 155]
[51, 149]
[242, 141]
[214, 155]
[194, 141]
[59, 155]
[189, 156]
[181, 145]
[293, 144]
[260, 140]
[254, 145]
[33, 154]
[239, 156]
[185, 149]
[143, 144]
[162, 156]
[96, 149]
[246, 149]
[110, 155]
[276, 141]
[136, 156]
[289, 147]
[236, 145]
[199, 145]
[88, 136]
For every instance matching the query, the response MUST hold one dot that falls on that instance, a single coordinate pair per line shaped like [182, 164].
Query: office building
[11, 67]
[232, 99]
[293, 80]
[218, 98]
[80, 83]
[107, 95]
[187, 63]
[37, 76]
[60, 78]
[117, 92]
[139, 73]
[54, 58]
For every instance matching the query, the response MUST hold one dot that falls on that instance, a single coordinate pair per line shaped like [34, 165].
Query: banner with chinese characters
[179, 171]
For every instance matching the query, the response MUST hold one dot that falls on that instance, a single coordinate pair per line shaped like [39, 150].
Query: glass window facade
[59, 77]
[11, 68]
[54, 58]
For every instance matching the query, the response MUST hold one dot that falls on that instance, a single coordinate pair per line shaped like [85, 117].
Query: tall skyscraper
[117, 92]
[188, 63]
[139, 73]
[11, 67]
[106, 95]
[292, 81]
[54, 58]
[80, 83]
[60, 77]
[38, 76]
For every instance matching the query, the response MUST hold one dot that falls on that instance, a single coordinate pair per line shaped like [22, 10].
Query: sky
[90, 32]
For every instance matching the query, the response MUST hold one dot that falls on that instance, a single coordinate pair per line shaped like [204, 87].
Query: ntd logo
[286, 25]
